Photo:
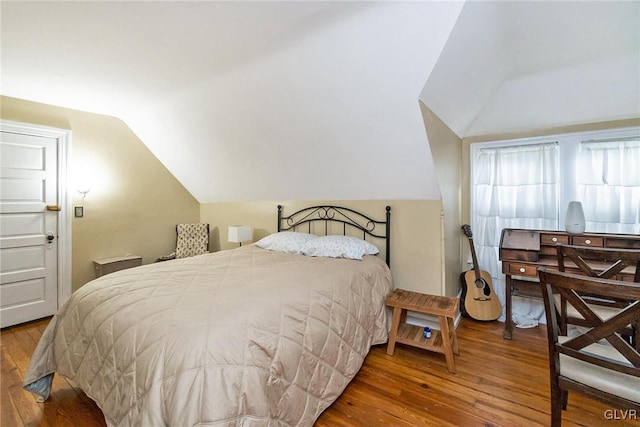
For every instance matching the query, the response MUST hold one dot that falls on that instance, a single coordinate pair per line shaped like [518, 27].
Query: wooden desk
[442, 341]
[523, 251]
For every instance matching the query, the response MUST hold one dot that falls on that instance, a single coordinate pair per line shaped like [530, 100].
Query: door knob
[50, 237]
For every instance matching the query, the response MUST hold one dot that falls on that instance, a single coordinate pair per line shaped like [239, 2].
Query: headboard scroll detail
[348, 218]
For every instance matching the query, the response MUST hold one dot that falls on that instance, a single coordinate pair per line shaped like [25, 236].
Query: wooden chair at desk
[603, 263]
[582, 363]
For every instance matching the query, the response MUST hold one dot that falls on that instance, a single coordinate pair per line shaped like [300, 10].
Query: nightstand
[442, 341]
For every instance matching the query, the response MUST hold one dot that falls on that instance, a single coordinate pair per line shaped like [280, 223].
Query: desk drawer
[553, 239]
[522, 269]
[597, 242]
[623, 243]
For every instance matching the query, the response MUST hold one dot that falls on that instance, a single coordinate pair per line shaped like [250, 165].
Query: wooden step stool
[443, 341]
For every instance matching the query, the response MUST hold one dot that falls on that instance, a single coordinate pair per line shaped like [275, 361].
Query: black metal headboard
[349, 219]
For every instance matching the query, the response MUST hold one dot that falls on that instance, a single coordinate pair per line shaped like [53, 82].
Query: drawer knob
[522, 270]
[555, 239]
[588, 242]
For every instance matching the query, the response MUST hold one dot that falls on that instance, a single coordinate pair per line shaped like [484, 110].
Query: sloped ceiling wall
[246, 100]
[319, 100]
[527, 65]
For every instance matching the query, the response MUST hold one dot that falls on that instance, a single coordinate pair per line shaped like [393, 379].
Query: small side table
[110, 265]
[443, 341]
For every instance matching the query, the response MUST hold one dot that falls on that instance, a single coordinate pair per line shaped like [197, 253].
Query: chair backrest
[619, 357]
[192, 239]
[604, 263]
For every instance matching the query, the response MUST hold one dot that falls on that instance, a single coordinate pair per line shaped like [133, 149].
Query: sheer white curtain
[513, 187]
[608, 184]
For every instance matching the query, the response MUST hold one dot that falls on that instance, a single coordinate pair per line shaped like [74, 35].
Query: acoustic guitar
[479, 300]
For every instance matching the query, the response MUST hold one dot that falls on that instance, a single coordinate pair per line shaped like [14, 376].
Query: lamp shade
[575, 222]
[240, 233]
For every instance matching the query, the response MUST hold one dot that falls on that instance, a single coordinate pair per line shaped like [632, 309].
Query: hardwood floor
[498, 383]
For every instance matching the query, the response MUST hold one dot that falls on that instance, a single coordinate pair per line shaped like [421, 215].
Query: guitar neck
[476, 268]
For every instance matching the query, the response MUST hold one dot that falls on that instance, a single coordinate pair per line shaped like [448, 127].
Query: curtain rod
[597, 143]
[532, 145]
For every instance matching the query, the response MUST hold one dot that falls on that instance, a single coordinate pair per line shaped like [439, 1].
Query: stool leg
[395, 324]
[446, 343]
[454, 336]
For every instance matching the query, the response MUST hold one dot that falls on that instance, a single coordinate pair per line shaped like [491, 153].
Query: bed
[268, 334]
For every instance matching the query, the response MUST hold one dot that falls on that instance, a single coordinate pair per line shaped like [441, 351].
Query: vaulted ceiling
[513, 66]
[320, 100]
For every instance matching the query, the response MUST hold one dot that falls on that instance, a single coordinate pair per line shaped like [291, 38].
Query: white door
[28, 227]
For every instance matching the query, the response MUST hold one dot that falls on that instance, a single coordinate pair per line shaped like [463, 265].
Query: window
[608, 184]
[528, 183]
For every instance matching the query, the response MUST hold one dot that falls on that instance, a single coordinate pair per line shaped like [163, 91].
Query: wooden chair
[597, 362]
[191, 240]
[604, 263]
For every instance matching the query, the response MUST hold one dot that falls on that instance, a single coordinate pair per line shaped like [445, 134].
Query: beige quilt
[246, 337]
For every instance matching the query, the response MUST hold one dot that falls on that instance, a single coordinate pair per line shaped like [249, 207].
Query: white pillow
[339, 247]
[285, 241]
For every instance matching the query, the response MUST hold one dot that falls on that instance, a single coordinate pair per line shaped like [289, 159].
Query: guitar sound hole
[481, 284]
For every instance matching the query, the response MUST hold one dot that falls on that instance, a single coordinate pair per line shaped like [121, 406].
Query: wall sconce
[83, 191]
[240, 233]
